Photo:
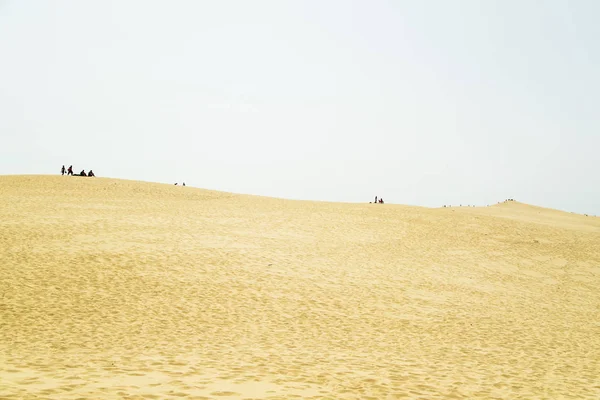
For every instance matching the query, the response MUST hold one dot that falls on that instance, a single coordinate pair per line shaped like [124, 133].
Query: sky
[419, 102]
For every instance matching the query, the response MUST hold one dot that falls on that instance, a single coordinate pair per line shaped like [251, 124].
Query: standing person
[375, 199]
[70, 170]
[63, 170]
[183, 183]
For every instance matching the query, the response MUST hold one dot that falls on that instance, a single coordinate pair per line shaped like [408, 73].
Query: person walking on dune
[70, 170]
[63, 170]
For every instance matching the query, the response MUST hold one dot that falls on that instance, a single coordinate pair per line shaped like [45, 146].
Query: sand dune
[122, 289]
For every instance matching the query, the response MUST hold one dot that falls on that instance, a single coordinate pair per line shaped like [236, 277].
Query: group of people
[69, 171]
[380, 200]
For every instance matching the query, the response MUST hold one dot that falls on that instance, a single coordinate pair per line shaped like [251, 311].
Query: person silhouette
[63, 170]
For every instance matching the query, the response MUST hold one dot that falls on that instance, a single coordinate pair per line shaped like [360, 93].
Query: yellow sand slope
[122, 289]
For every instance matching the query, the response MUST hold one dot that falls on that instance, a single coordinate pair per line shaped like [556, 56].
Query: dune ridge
[125, 289]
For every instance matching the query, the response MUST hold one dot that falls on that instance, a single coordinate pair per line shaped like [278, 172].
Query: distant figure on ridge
[82, 173]
[375, 199]
[175, 183]
[183, 183]
[91, 173]
[63, 170]
[70, 170]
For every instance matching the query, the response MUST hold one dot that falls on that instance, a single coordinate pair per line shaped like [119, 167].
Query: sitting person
[82, 173]
[91, 173]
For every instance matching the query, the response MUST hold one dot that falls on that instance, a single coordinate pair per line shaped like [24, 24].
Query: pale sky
[419, 102]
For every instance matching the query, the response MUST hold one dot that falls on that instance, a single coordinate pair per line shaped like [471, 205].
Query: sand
[124, 289]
